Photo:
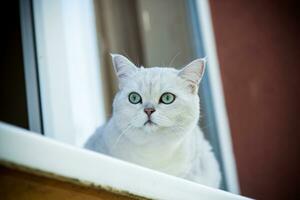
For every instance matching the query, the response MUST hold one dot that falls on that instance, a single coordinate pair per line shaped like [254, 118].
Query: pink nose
[149, 111]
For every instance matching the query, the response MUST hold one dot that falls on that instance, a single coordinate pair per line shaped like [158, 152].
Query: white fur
[174, 144]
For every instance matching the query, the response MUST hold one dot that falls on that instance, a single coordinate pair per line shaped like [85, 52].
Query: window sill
[23, 148]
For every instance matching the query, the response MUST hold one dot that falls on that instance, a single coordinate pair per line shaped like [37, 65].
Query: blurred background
[56, 77]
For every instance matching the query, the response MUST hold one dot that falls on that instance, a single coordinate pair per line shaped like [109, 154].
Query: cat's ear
[193, 72]
[124, 68]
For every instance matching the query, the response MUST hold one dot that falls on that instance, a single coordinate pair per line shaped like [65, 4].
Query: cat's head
[156, 102]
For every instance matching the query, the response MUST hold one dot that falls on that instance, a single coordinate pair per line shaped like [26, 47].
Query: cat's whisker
[120, 136]
[164, 120]
[129, 126]
[178, 130]
[173, 59]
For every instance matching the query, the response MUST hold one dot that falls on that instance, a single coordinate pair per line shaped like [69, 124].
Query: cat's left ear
[124, 68]
[193, 72]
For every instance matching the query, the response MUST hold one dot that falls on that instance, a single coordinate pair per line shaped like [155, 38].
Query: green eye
[134, 98]
[167, 98]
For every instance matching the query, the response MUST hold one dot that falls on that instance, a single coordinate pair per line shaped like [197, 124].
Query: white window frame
[69, 69]
[218, 100]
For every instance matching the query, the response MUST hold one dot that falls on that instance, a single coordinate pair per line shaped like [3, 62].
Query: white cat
[155, 122]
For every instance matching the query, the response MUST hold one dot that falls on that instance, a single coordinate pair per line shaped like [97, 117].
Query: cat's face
[156, 102]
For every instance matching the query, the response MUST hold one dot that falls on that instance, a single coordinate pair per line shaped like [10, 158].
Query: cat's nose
[149, 111]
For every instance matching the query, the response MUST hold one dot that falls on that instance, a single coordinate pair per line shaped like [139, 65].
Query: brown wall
[258, 49]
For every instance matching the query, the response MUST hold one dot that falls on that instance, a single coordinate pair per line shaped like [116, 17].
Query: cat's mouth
[149, 122]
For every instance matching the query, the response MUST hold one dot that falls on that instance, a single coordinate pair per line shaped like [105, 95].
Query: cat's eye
[134, 98]
[167, 98]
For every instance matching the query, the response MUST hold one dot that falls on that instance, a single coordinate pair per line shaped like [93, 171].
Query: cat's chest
[165, 158]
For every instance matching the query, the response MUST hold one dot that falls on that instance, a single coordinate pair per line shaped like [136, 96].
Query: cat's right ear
[193, 73]
[124, 68]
